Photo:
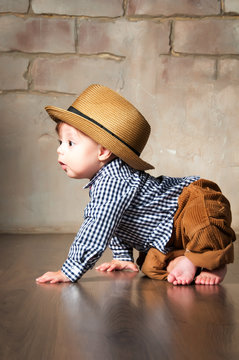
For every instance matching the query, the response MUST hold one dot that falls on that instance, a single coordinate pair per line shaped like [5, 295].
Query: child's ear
[103, 153]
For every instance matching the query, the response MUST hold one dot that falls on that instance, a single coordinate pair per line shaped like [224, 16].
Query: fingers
[53, 278]
[132, 266]
[111, 266]
[114, 267]
[117, 265]
[56, 281]
[103, 267]
[44, 278]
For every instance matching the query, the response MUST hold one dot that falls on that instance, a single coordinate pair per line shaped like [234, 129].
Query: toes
[171, 278]
[206, 280]
[177, 280]
[210, 281]
[180, 281]
[198, 281]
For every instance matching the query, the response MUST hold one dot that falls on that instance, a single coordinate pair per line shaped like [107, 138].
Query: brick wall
[176, 60]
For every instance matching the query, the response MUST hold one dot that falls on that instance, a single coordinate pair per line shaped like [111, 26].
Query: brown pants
[201, 232]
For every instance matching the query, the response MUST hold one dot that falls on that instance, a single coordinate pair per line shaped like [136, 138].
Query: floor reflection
[126, 317]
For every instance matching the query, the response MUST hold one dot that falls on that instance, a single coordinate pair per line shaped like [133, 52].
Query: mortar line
[76, 36]
[222, 9]
[129, 18]
[216, 69]
[125, 6]
[171, 37]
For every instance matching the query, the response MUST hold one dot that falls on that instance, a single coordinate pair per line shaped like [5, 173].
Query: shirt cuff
[72, 270]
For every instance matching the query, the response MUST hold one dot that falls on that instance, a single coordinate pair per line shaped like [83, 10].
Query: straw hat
[110, 120]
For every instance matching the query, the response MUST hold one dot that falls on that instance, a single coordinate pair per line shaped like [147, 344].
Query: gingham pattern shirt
[127, 209]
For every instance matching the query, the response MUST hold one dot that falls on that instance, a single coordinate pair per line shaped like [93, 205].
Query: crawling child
[180, 226]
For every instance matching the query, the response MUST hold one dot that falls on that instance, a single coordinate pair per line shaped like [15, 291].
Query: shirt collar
[115, 162]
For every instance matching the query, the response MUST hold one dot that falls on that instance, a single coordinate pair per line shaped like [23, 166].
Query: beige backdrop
[176, 60]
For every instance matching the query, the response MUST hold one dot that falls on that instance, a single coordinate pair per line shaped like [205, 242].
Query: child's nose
[59, 149]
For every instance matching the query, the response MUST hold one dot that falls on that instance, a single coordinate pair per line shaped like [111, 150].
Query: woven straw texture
[111, 115]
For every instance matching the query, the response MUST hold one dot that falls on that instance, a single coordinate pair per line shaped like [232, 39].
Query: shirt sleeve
[110, 197]
[121, 251]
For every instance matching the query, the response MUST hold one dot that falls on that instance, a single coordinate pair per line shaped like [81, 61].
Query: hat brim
[100, 136]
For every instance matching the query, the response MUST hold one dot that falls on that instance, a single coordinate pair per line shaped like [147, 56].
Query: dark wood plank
[108, 316]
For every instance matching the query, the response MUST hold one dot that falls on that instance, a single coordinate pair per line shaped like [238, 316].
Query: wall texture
[176, 60]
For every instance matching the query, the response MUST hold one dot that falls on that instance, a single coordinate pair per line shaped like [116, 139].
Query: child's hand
[117, 265]
[53, 278]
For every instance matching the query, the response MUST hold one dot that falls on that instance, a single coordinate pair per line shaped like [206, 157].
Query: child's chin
[74, 176]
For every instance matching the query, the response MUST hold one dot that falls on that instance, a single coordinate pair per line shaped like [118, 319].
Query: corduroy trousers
[202, 232]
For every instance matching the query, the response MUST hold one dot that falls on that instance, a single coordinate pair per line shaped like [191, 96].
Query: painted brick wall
[176, 60]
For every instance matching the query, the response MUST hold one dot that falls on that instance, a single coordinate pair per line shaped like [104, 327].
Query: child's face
[77, 153]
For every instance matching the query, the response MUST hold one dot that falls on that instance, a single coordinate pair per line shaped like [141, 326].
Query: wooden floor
[109, 315]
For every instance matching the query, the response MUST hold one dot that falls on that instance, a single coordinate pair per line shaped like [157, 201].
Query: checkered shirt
[127, 209]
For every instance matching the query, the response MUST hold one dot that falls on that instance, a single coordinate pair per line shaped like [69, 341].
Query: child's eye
[60, 142]
[71, 143]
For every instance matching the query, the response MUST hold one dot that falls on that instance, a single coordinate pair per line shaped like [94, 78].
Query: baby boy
[180, 226]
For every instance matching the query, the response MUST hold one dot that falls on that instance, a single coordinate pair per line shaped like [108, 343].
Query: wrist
[64, 276]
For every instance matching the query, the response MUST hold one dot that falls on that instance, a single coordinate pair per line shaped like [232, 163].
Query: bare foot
[181, 271]
[213, 277]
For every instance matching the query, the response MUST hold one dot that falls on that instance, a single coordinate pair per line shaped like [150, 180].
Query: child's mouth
[62, 165]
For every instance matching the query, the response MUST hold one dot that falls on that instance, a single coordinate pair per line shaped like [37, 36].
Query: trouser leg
[205, 224]
[201, 231]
